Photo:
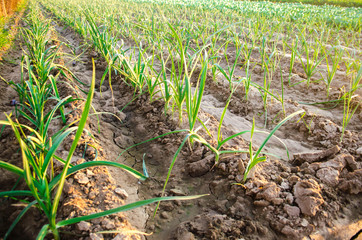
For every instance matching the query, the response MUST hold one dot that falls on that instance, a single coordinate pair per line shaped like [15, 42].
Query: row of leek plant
[38, 149]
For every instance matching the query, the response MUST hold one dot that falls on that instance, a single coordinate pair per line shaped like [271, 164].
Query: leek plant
[229, 75]
[269, 67]
[40, 64]
[38, 86]
[35, 98]
[281, 96]
[166, 88]
[263, 52]
[331, 70]
[182, 72]
[313, 60]
[106, 44]
[349, 106]
[247, 80]
[293, 54]
[254, 158]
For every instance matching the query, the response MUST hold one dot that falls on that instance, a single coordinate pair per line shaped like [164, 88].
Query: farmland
[193, 119]
[341, 3]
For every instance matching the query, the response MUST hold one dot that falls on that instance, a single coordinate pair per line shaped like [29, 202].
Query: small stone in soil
[94, 54]
[80, 161]
[261, 203]
[284, 185]
[108, 224]
[167, 206]
[311, 228]
[13, 102]
[293, 179]
[177, 192]
[359, 151]
[351, 162]
[284, 175]
[241, 166]
[270, 192]
[96, 236]
[83, 226]
[68, 189]
[201, 167]
[90, 173]
[328, 175]
[222, 166]
[304, 223]
[104, 88]
[292, 211]
[121, 192]
[308, 196]
[277, 201]
[289, 198]
[92, 195]
[251, 228]
[165, 215]
[238, 178]
[288, 231]
[81, 178]
[120, 237]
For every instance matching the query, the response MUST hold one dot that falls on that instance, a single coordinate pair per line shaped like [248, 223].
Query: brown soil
[316, 194]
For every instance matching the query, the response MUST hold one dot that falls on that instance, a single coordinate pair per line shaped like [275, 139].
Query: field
[169, 119]
[341, 3]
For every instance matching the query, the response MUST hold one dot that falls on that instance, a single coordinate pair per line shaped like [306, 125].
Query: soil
[313, 194]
